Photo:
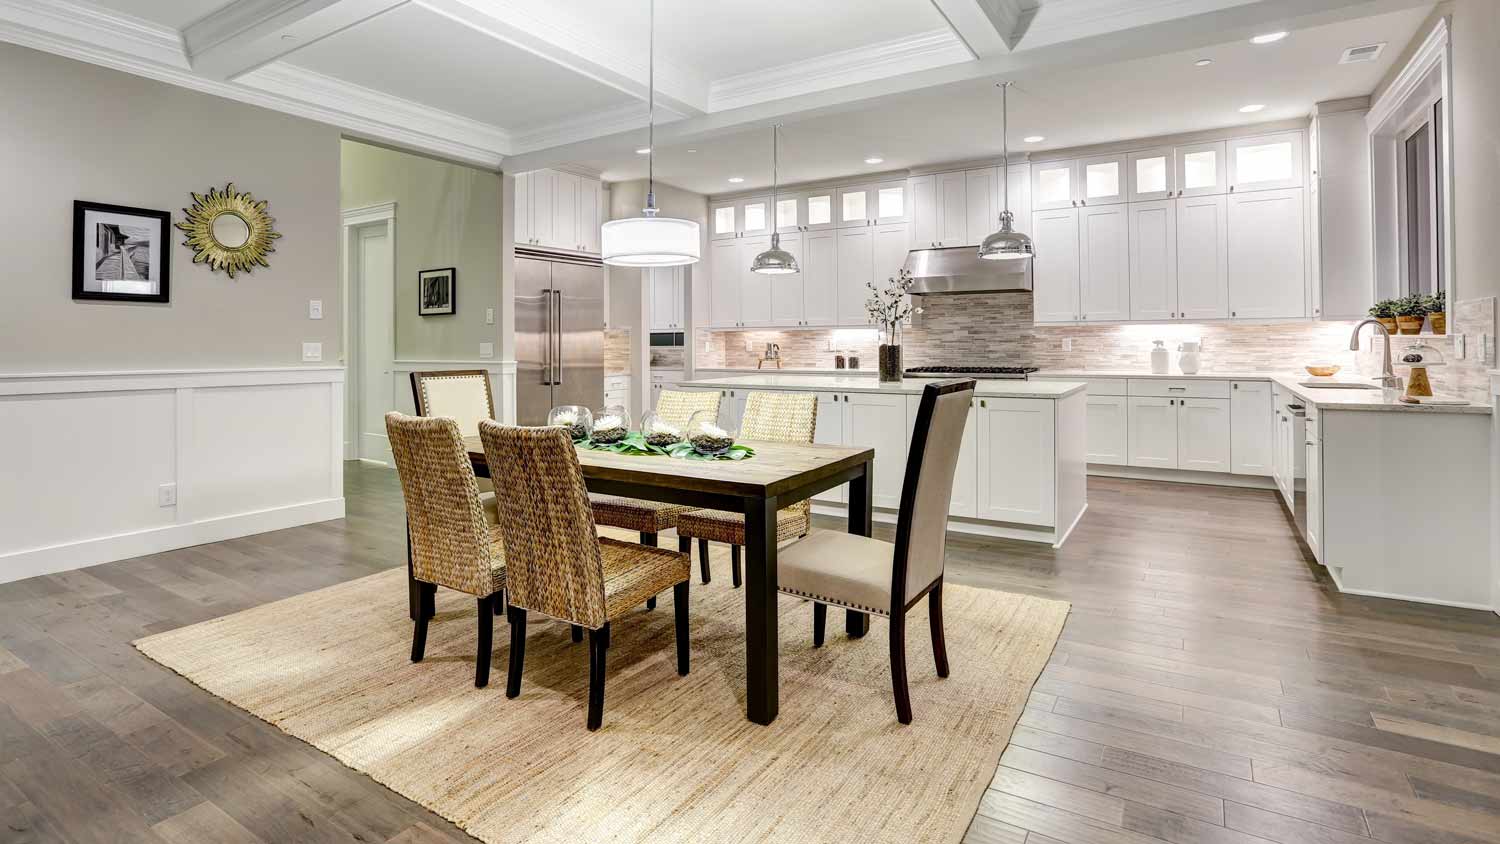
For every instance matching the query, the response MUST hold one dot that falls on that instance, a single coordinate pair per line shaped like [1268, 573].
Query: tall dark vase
[890, 362]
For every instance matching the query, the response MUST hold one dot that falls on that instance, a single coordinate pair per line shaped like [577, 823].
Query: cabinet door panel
[724, 283]
[1055, 266]
[1266, 162]
[820, 262]
[1107, 429]
[829, 430]
[982, 195]
[1101, 180]
[817, 210]
[1017, 188]
[524, 202]
[965, 500]
[755, 288]
[856, 265]
[1267, 267]
[723, 221]
[1203, 257]
[1151, 175]
[662, 287]
[590, 199]
[1017, 461]
[1200, 170]
[892, 244]
[543, 203]
[1250, 428]
[565, 211]
[1151, 429]
[1153, 260]
[854, 206]
[890, 203]
[1104, 263]
[755, 216]
[953, 209]
[786, 290]
[788, 214]
[1203, 435]
[879, 422]
[924, 212]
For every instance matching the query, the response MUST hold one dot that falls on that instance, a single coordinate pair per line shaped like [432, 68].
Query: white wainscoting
[249, 450]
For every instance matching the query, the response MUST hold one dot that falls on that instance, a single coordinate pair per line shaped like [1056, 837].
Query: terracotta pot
[1439, 322]
[1409, 324]
[1389, 323]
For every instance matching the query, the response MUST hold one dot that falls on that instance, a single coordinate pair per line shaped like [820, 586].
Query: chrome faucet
[1388, 377]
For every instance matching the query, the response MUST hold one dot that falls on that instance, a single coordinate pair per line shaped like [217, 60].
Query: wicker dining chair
[872, 576]
[558, 565]
[649, 518]
[452, 543]
[769, 417]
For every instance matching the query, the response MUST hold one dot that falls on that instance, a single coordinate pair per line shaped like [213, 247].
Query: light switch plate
[486, 350]
[315, 309]
[312, 352]
[166, 495]
[489, 316]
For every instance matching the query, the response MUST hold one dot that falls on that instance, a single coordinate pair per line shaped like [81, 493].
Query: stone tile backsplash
[617, 351]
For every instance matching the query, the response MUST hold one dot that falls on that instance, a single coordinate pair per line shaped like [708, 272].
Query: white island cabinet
[1022, 462]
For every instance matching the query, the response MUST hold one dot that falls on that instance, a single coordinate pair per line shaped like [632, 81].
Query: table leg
[861, 516]
[761, 635]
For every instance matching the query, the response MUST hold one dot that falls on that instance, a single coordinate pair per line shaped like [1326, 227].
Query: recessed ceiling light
[643, 151]
[1203, 62]
[1268, 38]
[692, 150]
[1252, 108]
[1034, 139]
[734, 180]
[874, 159]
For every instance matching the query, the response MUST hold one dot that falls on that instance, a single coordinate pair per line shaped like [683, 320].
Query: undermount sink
[1337, 385]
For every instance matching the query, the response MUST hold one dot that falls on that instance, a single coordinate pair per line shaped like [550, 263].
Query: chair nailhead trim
[826, 600]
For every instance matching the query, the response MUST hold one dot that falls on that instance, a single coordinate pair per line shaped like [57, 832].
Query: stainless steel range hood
[960, 270]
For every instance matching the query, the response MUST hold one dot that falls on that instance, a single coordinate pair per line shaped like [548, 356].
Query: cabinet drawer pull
[1178, 389]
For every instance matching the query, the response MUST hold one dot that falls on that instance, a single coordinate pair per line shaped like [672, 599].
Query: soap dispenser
[1159, 358]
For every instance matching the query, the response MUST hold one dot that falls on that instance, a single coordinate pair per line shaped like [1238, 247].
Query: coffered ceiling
[539, 82]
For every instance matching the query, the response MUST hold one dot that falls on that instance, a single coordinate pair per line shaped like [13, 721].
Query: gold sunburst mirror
[229, 230]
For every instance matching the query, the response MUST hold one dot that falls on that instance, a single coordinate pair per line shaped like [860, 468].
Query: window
[1421, 201]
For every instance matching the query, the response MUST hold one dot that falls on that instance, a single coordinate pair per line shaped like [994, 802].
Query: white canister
[1159, 357]
[1187, 357]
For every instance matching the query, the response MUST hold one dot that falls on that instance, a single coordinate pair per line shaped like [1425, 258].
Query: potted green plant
[1411, 312]
[1437, 311]
[1384, 312]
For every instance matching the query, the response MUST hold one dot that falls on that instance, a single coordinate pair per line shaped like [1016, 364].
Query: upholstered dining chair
[649, 518]
[452, 543]
[880, 578]
[769, 417]
[558, 565]
[461, 394]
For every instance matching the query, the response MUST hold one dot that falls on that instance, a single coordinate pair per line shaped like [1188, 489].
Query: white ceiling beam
[987, 27]
[1217, 27]
[541, 30]
[248, 34]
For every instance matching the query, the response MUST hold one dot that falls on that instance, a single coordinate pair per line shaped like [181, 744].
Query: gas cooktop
[1018, 373]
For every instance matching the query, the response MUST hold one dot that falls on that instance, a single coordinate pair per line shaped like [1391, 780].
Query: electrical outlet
[489, 316]
[312, 352]
[486, 350]
[315, 309]
[166, 495]
[1460, 346]
[1067, 344]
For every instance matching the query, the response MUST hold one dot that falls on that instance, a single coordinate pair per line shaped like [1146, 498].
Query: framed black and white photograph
[121, 254]
[437, 292]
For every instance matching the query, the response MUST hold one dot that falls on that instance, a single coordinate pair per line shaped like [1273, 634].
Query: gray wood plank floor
[1210, 686]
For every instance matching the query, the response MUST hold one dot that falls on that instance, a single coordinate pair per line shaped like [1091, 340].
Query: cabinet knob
[1234, 313]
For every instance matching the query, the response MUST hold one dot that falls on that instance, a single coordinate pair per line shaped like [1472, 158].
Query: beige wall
[1476, 147]
[75, 131]
[447, 215]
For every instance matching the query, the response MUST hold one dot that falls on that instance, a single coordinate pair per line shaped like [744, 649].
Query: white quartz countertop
[910, 386]
[723, 371]
[1327, 399]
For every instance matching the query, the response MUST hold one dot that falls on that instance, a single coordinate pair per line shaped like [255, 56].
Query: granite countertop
[910, 386]
[1328, 399]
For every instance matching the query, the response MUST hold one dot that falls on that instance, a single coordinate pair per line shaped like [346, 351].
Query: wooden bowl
[1323, 370]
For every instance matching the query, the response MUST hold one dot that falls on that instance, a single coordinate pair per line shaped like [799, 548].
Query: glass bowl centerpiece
[611, 425]
[578, 420]
[659, 432]
[706, 436]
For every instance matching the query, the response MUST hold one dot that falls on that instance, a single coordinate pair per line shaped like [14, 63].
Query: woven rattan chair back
[553, 563]
[450, 539]
[678, 406]
[463, 395]
[926, 493]
[780, 417]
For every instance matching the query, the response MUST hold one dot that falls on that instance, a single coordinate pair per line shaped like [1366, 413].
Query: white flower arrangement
[890, 307]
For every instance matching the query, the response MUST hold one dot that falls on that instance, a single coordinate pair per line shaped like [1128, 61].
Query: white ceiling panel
[1160, 95]
[173, 13]
[418, 55]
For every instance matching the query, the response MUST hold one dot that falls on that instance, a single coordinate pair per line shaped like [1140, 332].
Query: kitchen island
[1021, 467]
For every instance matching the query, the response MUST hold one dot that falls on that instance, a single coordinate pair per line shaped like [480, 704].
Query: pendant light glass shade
[649, 240]
[1006, 244]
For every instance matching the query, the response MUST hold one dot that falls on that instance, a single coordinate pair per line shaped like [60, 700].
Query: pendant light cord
[1004, 146]
[651, 109]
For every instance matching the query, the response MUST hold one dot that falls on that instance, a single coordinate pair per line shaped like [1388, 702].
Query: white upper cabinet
[785, 290]
[723, 221]
[590, 214]
[1267, 262]
[565, 228]
[982, 195]
[1017, 188]
[755, 288]
[819, 262]
[1053, 185]
[1055, 267]
[1151, 174]
[1153, 260]
[924, 211]
[1104, 263]
[543, 205]
[788, 213]
[740, 218]
[892, 243]
[1202, 257]
[724, 284]
[522, 210]
[558, 210]
[818, 210]
[855, 267]
[1200, 170]
[665, 285]
[953, 209]
[873, 204]
[1101, 180]
[1266, 162]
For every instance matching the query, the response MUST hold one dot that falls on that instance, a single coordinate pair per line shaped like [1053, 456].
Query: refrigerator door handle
[557, 336]
[547, 352]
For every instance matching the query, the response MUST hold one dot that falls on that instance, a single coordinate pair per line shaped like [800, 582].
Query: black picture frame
[85, 281]
[432, 302]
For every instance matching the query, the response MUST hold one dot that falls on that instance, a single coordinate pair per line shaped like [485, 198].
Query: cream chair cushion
[834, 567]
[466, 398]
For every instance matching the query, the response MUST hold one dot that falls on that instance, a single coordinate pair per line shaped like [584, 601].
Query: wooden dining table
[778, 475]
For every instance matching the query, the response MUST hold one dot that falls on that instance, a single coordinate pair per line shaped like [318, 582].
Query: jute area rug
[676, 761]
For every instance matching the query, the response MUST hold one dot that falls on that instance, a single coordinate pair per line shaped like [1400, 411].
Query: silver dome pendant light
[775, 261]
[1006, 244]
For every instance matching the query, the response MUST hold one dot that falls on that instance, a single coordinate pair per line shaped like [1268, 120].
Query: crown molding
[57, 21]
[937, 48]
[235, 19]
[1054, 23]
[1413, 75]
[585, 127]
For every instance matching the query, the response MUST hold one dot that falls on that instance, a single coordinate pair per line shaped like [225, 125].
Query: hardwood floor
[1210, 686]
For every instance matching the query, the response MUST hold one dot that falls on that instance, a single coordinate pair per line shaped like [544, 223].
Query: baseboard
[997, 530]
[32, 562]
[1179, 476]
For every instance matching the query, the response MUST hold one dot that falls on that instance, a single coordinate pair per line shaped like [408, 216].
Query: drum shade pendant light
[774, 261]
[649, 240]
[1006, 244]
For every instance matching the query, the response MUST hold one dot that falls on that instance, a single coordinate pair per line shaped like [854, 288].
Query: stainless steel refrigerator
[559, 334]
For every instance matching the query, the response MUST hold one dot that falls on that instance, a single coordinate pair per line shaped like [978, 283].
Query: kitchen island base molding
[997, 530]
[1181, 476]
